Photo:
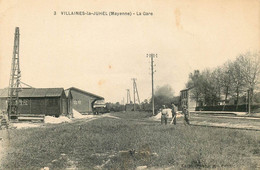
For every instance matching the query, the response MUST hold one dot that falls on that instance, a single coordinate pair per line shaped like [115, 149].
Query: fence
[240, 108]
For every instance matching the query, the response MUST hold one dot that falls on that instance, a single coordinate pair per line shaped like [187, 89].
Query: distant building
[83, 101]
[129, 107]
[186, 99]
[38, 101]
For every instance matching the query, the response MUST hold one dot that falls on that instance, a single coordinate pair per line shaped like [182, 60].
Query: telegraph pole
[249, 100]
[152, 55]
[134, 90]
[128, 99]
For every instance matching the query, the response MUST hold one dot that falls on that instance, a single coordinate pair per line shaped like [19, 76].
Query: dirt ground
[4, 144]
[98, 141]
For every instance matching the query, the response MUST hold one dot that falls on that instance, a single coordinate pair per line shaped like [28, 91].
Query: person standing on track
[164, 116]
[186, 113]
[174, 114]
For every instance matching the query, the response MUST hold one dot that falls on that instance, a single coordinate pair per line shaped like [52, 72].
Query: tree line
[234, 79]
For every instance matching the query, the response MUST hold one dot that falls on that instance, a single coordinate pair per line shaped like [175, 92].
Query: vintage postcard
[95, 84]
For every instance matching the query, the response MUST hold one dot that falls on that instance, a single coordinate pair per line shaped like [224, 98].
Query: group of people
[165, 114]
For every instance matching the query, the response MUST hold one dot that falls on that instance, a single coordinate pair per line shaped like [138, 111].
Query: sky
[101, 54]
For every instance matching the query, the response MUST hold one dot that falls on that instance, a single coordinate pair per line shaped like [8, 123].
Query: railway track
[227, 116]
[226, 121]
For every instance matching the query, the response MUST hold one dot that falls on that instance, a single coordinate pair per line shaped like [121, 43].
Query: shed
[38, 101]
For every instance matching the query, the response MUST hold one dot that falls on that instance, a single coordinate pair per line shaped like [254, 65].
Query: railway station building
[187, 99]
[82, 101]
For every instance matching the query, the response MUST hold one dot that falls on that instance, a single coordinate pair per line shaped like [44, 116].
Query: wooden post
[249, 102]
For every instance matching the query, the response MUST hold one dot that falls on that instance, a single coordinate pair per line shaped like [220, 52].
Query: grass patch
[132, 115]
[106, 142]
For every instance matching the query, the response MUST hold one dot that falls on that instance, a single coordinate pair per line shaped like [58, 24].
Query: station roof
[85, 92]
[186, 89]
[34, 92]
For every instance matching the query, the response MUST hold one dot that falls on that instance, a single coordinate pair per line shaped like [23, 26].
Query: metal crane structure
[14, 82]
[135, 92]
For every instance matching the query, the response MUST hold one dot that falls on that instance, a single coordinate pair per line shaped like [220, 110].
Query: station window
[76, 101]
[23, 102]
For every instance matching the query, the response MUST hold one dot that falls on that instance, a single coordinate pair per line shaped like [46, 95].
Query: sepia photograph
[129, 85]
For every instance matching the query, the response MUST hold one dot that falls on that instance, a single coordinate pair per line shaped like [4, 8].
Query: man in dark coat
[186, 113]
[174, 114]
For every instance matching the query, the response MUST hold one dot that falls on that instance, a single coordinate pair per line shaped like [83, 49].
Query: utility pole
[128, 98]
[152, 55]
[135, 92]
[249, 100]
[14, 82]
